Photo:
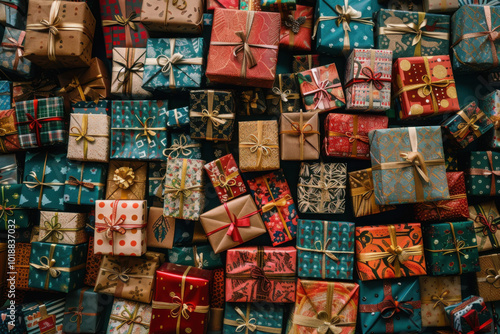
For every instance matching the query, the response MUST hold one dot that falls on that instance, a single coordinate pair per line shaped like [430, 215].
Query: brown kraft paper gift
[182, 16]
[126, 180]
[299, 129]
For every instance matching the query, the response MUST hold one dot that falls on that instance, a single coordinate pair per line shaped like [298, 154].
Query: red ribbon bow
[389, 307]
[235, 223]
[472, 319]
[112, 224]
[372, 77]
[487, 222]
[18, 46]
[322, 93]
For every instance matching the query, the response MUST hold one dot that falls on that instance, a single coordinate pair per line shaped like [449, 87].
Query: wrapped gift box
[91, 107]
[41, 86]
[178, 17]
[488, 283]
[272, 195]
[63, 227]
[74, 42]
[375, 245]
[278, 5]
[441, 6]
[21, 266]
[297, 27]
[278, 265]
[490, 105]
[10, 195]
[85, 183]
[5, 95]
[201, 256]
[437, 293]
[82, 313]
[44, 178]
[160, 230]
[329, 243]
[12, 52]
[176, 279]
[268, 317]
[251, 102]
[92, 264]
[451, 248]
[66, 264]
[395, 178]
[211, 115]
[368, 80]
[481, 180]
[486, 219]
[9, 141]
[284, 96]
[470, 316]
[390, 306]
[156, 177]
[12, 320]
[393, 33]
[182, 146]
[302, 128]
[120, 227]
[126, 180]
[49, 114]
[35, 312]
[226, 178]
[226, 225]
[258, 146]
[13, 13]
[257, 67]
[89, 137]
[127, 73]
[456, 208]
[301, 63]
[178, 118]
[128, 317]
[9, 169]
[228, 4]
[250, 5]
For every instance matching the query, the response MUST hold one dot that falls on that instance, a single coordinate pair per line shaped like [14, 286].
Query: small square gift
[12, 53]
[251, 102]
[272, 195]
[173, 63]
[437, 293]
[226, 178]
[89, 137]
[186, 286]
[128, 316]
[321, 88]
[201, 256]
[329, 243]
[336, 35]
[85, 183]
[285, 95]
[41, 122]
[57, 267]
[182, 146]
[486, 219]
[71, 45]
[36, 312]
[92, 264]
[296, 29]
[9, 141]
[184, 188]
[227, 4]
[424, 86]
[302, 128]
[368, 80]
[397, 180]
[63, 227]
[470, 316]
[211, 115]
[82, 313]
[456, 208]
[276, 265]
[451, 248]
[266, 317]
[120, 227]
[301, 63]
[178, 118]
[258, 146]
[321, 304]
[126, 180]
[91, 107]
[10, 195]
[9, 170]
[174, 17]
[488, 278]
[127, 73]
[232, 223]
[389, 251]
[481, 180]
[256, 65]
[156, 176]
[411, 34]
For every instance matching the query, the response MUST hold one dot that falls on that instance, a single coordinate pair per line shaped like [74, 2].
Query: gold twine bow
[53, 229]
[147, 130]
[47, 265]
[122, 21]
[245, 323]
[412, 28]
[212, 118]
[180, 146]
[124, 177]
[493, 277]
[362, 194]
[167, 63]
[283, 96]
[117, 273]
[130, 319]
[258, 144]
[440, 300]
[81, 133]
[300, 130]
[277, 204]
[468, 123]
[352, 136]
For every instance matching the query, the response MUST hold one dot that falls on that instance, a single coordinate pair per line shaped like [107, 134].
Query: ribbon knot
[73, 181]
[37, 182]
[81, 133]
[48, 265]
[119, 273]
[329, 324]
[318, 245]
[459, 246]
[373, 77]
[483, 220]
[440, 300]
[124, 177]
[225, 182]
[294, 24]
[182, 309]
[51, 25]
[147, 130]
[416, 159]
[34, 123]
[282, 95]
[493, 35]
[180, 146]
[77, 314]
[244, 47]
[353, 137]
[167, 62]
[258, 273]
[344, 17]
[250, 324]
[129, 21]
[53, 229]
[235, 224]
[6, 210]
[397, 253]
[389, 307]
[112, 225]
[322, 93]
[212, 116]
[493, 277]
[463, 127]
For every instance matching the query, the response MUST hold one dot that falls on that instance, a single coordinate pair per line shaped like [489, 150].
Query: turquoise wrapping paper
[92, 173]
[186, 256]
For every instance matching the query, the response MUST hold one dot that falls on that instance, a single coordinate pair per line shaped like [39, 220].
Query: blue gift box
[85, 183]
[14, 13]
[82, 313]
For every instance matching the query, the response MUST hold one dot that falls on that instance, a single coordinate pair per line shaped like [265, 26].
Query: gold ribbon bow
[180, 146]
[258, 144]
[352, 136]
[493, 277]
[122, 21]
[81, 133]
[469, 123]
[412, 28]
[130, 319]
[121, 274]
[147, 130]
[245, 323]
[88, 92]
[124, 177]
[53, 228]
[213, 118]
[440, 300]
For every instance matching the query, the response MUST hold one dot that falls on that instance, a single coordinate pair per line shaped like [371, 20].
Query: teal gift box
[390, 306]
[173, 63]
[325, 249]
[34, 311]
[490, 105]
[278, 5]
[338, 39]
[178, 118]
[11, 53]
[10, 196]
[182, 146]
[57, 267]
[5, 95]
[267, 317]
[393, 33]
[85, 183]
[398, 181]
[201, 256]
[481, 180]
[90, 107]
[471, 52]
[43, 181]
[13, 13]
[156, 178]
[138, 129]
[82, 313]
[12, 317]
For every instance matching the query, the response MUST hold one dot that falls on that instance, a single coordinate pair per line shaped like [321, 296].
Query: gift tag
[47, 324]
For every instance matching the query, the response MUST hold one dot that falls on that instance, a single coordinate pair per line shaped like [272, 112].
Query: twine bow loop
[48, 265]
[464, 127]
[354, 137]
[77, 314]
[73, 181]
[121, 274]
[182, 309]
[166, 63]
[281, 95]
[487, 222]
[440, 300]
[324, 249]
[344, 17]
[397, 253]
[124, 177]
[112, 225]
[493, 277]
[294, 24]
[53, 229]
[129, 21]
[147, 131]
[244, 323]
[212, 116]
[373, 77]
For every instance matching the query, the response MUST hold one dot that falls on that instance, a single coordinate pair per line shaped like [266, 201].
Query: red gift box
[228, 4]
[244, 48]
[296, 29]
[226, 178]
[181, 300]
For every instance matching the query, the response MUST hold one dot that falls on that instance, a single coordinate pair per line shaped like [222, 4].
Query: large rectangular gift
[127, 73]
[437, 293]
[85, 183]
[470, 316]
[89, 137]
[83, 312]
[126, 180]
[302, 130]
[285, 95]
[486, 218]
[481, 175]
[258, 145]
[10, 196]
[9, 141]
[226, 178]
[63, 227]
[129, 317]
[173, 17]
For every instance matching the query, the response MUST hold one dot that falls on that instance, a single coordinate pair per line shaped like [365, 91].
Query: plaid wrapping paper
[12, 52]
[49, 113]
[9, 139]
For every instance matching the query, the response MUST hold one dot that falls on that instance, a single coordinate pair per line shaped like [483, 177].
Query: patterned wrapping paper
[441, 6]
[490, 105]
[396, 180]
[211, 115]
[296, 29]
[250, 5]
[44, 177]
[481, 176]
[394, 33]
[179, 280]
[302, 128]
[267, 318]
[390, 306]
[272, 195]
[160, 229]
[74, 43]
[126, 180]
[411, 76]
[89, 137]
[5, 95]
[178, 118]
[321, 88]
[258, 146]
[10, 195]
[34, 312]
[437, 293]
[9, 141]
[130, 35]
[251, 102]
[124, 311]
[21, 266]
[391, 251]
[12, 53]
[63, 227]
[257, 68]
[347, 135]
[92, 264]
[127, 73]
[12, 317]
[456, 208]
[49, 113]
[85, 183]
[470, 316]
[217, 289]
[13, 13]
[57, 267]
[488, 282]
[320, 302]
[325, 249]
[183, 147]
[120, 227]
[201, 256]
[486, 219]
[176, 17]
[278, 5]
[226, 178]
[82, 313]
[91, 107]
[184, 188]
[451, 157]
[9, 169]
[493, 307]
[301, 63]
[284, 96]
[228, 4]
[356, 32]
[156, 178]
[277, 265]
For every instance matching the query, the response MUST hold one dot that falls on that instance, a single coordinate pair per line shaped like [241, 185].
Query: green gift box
[57, 267]
[481, 180]
[182, 146]
[156, 176]
[451, 248]
[266, 317]
[85, 183]
[44, 180]
[285, 95]
[10, 211]
[202, 256]
[12, 51]
[82, 313]
[91, 107]
[177, 118]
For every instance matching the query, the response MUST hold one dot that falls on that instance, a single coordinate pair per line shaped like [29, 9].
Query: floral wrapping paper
[90, 107]
[456, 208]
[451, 248]
[302, 130]
[284, 96]
[85, 301]
[19, 326]
[268, 317]
[487, 278]
[263, 32]
[178, 118]
[123, 310]
[272, 195]
[296, 29]
[92, 264]
[63, 227]
[437, 293]
[402, 183]
[258, 146]
[183, 147]
[10, 195]
[486, 219]
[301, 63]
[278, 265]
[90, 126]
[9, 142]
[481, 177]
[226, 178]
[68, 259]
[470, 316]
[156, 176]
[9, 169]
[325, 249]
[126, 180]
[85, 183]
[251, 102]
[490, 105]
[201, 256]
[128, 85]
[228, 4]
[12, 41]
[34, 311]
[174, 17]
[374, 245]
